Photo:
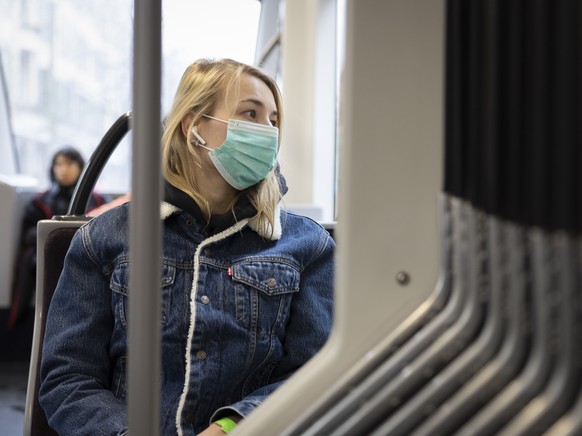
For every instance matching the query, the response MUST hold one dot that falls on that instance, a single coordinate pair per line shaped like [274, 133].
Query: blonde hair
[202, 85]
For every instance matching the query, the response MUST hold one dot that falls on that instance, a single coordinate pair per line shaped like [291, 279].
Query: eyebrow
[258, 103]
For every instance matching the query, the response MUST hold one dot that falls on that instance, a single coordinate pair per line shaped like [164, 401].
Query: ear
[185, 124]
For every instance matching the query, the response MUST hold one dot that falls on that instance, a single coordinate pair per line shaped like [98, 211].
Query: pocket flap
[120, 277]
[269, 276]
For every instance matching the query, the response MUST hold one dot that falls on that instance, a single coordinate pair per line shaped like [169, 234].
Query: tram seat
[54, 238]
[15, 192]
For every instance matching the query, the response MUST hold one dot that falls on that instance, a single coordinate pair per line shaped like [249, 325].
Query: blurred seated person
[65, 170]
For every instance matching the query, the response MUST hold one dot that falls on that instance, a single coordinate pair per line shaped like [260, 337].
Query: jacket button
[201, 355]
[271, 283]
[205, 299]
[207, 251]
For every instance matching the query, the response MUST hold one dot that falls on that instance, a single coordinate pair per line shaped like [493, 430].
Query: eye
[251, 114]
[274, 123]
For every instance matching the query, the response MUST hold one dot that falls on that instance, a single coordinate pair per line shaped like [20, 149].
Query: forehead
[250, 88]
[62, 159]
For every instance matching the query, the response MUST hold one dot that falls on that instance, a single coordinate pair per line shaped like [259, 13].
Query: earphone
[197, 135]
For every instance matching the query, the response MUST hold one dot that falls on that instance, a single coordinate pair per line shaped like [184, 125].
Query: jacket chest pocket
[119, 284]
[263, 290]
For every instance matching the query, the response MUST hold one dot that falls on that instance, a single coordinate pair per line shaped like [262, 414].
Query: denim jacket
[241, 311]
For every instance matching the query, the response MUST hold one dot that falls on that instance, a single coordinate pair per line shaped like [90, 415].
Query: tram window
[68, 69]
[9, 163]
[308, 70]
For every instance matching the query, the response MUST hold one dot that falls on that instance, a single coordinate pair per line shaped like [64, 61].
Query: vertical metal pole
[145, 231]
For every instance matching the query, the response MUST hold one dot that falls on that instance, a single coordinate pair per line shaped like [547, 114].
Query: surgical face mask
[248, 153]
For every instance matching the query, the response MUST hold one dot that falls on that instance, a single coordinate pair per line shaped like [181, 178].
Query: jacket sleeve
[76, 369]
[307, 331]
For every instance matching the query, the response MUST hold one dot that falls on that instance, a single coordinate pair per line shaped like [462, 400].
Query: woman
[246, 286]
[64, 172]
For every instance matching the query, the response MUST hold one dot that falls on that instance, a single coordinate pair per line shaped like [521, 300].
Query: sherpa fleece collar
[167, 209]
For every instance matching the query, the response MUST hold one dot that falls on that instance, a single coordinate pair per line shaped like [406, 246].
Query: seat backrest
[54, 238]
[15, 193]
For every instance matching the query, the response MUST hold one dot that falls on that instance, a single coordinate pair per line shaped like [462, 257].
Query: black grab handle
[99, 158]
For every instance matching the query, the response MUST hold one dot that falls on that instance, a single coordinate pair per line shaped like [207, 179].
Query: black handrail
[99, 158]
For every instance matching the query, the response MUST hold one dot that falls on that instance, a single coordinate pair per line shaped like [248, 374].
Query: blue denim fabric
[262, 309]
